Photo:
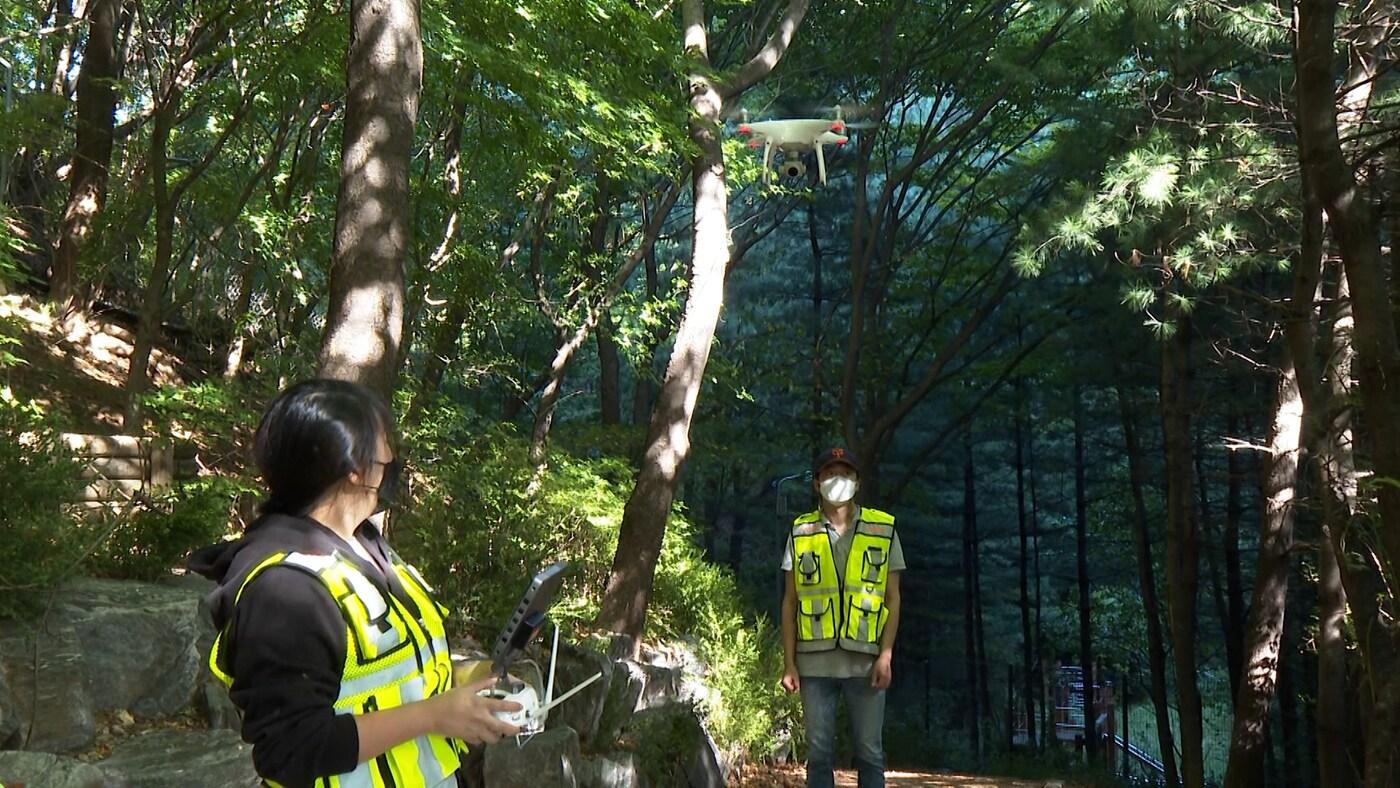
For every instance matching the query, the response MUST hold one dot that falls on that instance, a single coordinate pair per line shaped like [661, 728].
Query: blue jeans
[866, 708]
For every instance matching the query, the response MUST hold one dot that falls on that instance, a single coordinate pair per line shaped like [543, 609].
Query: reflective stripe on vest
[393, 656]
[848, 613]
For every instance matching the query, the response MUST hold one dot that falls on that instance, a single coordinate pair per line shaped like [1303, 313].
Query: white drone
[792, 137]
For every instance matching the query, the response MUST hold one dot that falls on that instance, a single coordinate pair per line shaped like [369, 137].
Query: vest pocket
[865, 614]
[809, 569]
[872, 564]
[817, 619]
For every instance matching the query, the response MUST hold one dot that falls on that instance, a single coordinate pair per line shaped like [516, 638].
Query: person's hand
[791, 682]
[463, 714]
[881, 673]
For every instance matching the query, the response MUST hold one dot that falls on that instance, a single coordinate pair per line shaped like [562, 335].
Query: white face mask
[838, 489]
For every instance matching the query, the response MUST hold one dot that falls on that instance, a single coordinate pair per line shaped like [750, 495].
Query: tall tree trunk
[1047, 732]
[1217, 589]
[1289, 704]
[1264, 636]
[1147, 582]
[1328, 432]
[609, 373]
[609, 368]
[149, 314]
[1353, 225]
[1023, 530]
[1333, 763]
[624, 604]
[1182, 551]
[1377, 349]
[92, 153]
[384, 77]
[1234, 580]
[969, 572]
[1081, 539]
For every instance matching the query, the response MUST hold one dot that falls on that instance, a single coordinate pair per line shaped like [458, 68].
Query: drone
[792, 137]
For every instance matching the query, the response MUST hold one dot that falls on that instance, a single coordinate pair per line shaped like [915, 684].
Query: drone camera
[792, 169]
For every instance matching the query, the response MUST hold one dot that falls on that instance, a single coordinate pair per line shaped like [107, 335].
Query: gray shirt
[840, 663]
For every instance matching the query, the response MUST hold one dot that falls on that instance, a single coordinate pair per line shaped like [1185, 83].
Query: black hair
[314, 434]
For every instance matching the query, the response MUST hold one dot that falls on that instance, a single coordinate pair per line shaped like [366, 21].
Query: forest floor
[77, 369]
[792, 776]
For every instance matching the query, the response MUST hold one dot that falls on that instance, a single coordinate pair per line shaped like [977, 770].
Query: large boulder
[584, 711]
[674, 748]
[184, 759]
[103, 645]
[44, 770]
[545, 760]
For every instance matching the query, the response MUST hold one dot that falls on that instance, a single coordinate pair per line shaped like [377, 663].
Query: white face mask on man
[838, 489]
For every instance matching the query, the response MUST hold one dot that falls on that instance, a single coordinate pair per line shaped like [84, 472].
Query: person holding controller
[333, 647]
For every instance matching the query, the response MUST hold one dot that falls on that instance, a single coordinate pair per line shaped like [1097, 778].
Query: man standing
[840, 617]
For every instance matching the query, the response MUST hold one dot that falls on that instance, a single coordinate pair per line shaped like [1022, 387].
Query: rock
[546, 760]
[624, 691]
[218, 708]
[55, 711]
[106, 645]
[610, 770]
[149, 657]
[43, 770]
[184, 759]
[584, 711]
[661, 685]
[674, 747]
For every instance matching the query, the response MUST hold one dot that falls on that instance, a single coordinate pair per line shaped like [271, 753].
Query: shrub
[145, 542]
[39, 541]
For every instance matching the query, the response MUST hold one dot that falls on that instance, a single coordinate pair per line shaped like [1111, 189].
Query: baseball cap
[834, 455]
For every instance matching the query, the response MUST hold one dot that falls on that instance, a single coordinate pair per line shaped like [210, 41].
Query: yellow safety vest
[847, 612]
[392, 657]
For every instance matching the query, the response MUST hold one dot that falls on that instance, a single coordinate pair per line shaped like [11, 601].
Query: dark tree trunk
[373, 232]
[1147, 582]
[609, 373]
[1234, 580]
[1041, 673]
[1183, 553]
[1293, 745]
[1264, 636]
[1081, 539]
[624, 604]
[1377, 349]
[1023, 530]
[969, 570]
[92, 154]
[609, 368]
[1352, 221]
[1217, 589]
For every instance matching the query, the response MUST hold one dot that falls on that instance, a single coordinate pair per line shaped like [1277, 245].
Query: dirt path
[792, 777]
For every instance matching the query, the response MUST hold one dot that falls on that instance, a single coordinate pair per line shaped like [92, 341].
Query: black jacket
[285, 643]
